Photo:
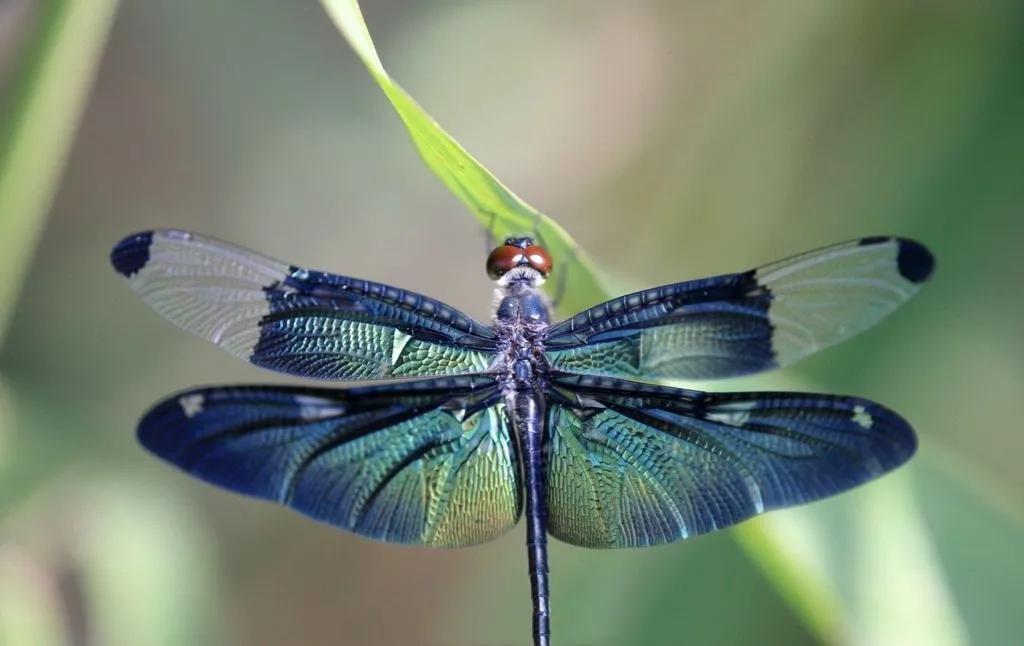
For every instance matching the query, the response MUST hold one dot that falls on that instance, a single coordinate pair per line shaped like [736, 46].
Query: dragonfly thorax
[522, 314]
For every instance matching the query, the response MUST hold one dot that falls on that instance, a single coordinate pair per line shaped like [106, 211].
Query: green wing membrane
[426, 462]
[631, 465]
[295, 320]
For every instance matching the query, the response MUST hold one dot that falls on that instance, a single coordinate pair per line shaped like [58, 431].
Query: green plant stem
[40, 119]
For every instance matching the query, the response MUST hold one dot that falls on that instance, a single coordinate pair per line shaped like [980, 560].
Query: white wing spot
[732, 418]
[313, 408]
[755, 495]
[862, 417]
[177, 234]
[191, 405]
[738, 405]
[310, 413]
[398, 343]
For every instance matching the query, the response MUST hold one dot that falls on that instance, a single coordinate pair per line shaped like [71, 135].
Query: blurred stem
[812, 598]
[37, 125]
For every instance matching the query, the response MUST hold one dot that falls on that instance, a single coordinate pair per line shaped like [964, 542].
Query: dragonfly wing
[294, 320]
[632, 464]
[743, 323]
[428, 462]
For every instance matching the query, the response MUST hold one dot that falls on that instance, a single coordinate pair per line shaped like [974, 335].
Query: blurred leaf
[157, 587]
[106, 562]
[886, 563]
[678, 594]
[978, 539]
[39, 120]
[30, 611]
[6, 431]
[33, 446]
[868, 556]
[498, 209]
[799, 580]
[923, 556]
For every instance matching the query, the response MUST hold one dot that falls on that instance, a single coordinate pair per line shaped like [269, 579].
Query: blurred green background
[673, 140]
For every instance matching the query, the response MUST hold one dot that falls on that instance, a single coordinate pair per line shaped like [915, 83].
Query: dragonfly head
[519, 259]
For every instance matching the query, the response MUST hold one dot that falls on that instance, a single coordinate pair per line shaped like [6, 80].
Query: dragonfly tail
[529, 423]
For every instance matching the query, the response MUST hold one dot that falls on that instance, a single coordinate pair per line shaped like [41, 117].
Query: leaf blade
[496, 208]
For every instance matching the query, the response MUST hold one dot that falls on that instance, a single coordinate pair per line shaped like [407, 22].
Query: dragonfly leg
[490, 241]
[561, 274]
[561, 281]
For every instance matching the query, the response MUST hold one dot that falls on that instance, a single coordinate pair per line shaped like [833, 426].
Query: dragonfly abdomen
[528, 411]
[521, 318]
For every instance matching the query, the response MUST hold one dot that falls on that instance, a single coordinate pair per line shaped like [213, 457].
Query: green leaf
[498, 209]
[38, 123]
[30, 611]
[159, 586]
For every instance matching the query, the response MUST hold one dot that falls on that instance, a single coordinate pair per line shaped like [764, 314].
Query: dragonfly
[567, 422]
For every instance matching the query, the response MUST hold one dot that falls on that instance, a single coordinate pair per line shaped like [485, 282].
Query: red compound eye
[539, 259]
[503, 259]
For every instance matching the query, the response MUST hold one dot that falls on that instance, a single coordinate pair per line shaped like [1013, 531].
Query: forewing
[631, 464]
[428, 462]
[743, 323]
[298, 321]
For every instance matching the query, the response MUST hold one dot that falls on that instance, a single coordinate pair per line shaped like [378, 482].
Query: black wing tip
[895, 440]
[166, 428]
[901, 436]
[916, 263]
[152, 430]
[132, 253]
[913, 260]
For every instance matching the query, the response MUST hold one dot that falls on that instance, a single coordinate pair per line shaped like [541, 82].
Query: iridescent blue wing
[743, 323]
[427, 462]
[631, 464]
[298, 321]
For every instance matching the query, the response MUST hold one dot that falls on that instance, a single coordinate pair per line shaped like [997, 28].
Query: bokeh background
[673, 140]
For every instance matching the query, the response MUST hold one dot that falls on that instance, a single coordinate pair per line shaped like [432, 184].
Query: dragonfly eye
[539, 259]
[504, 259]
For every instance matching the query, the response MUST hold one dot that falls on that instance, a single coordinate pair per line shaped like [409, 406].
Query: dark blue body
[521, 320]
